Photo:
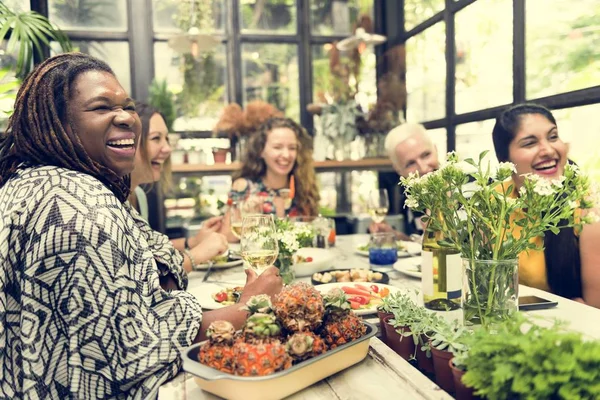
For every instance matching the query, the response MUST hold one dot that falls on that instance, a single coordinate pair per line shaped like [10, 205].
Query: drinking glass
[383, 250]
[258, 243]
[378, 205]
[241, 208]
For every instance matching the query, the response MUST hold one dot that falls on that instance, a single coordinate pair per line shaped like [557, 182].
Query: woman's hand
[269, 283]
[212, 245]
[209, 226]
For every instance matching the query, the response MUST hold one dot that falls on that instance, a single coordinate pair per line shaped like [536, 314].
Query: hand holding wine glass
[259, 246]
[378, 205]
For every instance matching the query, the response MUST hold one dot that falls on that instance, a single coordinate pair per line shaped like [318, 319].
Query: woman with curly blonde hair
[278, 157]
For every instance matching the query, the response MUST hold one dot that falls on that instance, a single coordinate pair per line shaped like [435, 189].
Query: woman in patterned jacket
[82, 310]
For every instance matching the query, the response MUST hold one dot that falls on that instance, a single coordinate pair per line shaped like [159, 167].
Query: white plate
[322, 259]
[362, 311]
[204, 292]
[409, 266]
[412, 249]
[228, 264]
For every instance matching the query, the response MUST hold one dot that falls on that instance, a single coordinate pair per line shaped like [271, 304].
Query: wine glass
[258, 243]
[378, 205]
[241, 208]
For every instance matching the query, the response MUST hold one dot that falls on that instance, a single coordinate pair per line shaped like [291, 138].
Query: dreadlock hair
[561, 251]
[37, 131]
[254, 167]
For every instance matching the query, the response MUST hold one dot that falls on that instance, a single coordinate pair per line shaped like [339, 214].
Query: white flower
[543, 187]
[506, 167]
[511, 201]
[557, 183]
[572, 204]
[591, 217]
[411, 202]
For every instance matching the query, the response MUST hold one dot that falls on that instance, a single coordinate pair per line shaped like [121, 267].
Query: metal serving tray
[279, 384]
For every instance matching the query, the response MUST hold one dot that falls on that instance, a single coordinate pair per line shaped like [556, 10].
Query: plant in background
[290, 237]
[522, 360]
[161, 98]
[8, 92]
[30, 32]
[479, 206]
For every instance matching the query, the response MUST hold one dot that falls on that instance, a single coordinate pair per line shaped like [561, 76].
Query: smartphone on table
[527, 303]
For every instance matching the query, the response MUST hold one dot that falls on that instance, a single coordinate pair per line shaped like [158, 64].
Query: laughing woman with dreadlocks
[82, 309]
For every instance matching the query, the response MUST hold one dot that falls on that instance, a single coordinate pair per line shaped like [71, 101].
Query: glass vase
[491, 291]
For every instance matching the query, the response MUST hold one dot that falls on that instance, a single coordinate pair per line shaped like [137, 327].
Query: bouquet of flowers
[290, 237]
[478, 210]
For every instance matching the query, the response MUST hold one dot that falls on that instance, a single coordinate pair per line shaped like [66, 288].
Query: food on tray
[228, 296]
[363, 296]
[345, 275]
[221, 259]
[299, 324]
[301, 259]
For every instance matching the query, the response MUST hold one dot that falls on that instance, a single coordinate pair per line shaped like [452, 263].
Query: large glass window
[337, 17]
[474, 138]
[562, 46]
[268, 16]
[484, 55]
[439, 139]
[175, 15]
[426, 75]
[115, 54]
[417, 11]
[17, 5]
[199, 85]
[104, 15]
[270, 73]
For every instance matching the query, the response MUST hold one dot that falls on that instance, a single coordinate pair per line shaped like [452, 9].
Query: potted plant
[398, 333]
[523, 360]
[290, 237]
[479, 205]
[447, 341]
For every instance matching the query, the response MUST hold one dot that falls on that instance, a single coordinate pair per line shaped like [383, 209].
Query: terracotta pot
[220, 155]
[382, 315]
[462, 392]
[424, 363]
[404, 346]
[443, 373]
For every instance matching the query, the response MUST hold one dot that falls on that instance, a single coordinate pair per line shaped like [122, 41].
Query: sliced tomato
[354, 305]
[354, 290]
[221, 297]
[359, 299]
[308, 259]
[375, 288]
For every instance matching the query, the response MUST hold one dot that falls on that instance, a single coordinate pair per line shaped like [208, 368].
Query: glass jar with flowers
[290, 237]
[481, 209]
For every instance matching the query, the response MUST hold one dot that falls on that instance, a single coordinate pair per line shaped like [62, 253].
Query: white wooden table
[383, 373]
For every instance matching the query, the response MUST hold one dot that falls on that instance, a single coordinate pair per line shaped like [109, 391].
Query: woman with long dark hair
[527, 136]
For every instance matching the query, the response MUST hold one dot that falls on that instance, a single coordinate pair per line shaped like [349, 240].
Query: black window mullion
[450, 76]
[40, 6]
[519, 57]
[305, 63]
[234, 54]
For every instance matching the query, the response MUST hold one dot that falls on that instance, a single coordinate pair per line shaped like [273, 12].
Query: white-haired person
[411, 150]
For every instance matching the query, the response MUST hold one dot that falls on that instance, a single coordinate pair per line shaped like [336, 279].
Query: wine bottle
[441, 271]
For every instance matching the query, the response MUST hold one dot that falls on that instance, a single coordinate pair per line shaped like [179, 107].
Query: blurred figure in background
[278, 169]
[153, 164]
[527, 135]
[411, 150]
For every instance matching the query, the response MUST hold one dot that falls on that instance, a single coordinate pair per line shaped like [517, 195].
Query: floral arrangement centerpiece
[290, 237]
[476, 209]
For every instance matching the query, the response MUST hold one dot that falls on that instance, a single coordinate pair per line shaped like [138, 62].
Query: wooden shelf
[379, 164]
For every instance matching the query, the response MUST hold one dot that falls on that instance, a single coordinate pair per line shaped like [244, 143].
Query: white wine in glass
[258, 244]
[378, 205]
[238, 210]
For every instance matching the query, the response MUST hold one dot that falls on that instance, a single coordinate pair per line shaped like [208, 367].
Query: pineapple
[303, 345]
[217, 352]
[340, 325]
[261, 352]
[259, 304]
[299, 307]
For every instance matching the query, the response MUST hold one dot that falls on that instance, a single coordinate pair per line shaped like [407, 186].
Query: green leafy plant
[8, 91]
[161, 98]
[475, 208]
[450, 337]
[28, 33]
[290, 237]
[525, 361]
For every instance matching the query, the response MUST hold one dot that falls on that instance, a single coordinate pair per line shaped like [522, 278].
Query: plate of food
[212, 296]
[409, 266]
[364, 297]
[405, 249]
[226, 261]
[349, 275]
[309, 260]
